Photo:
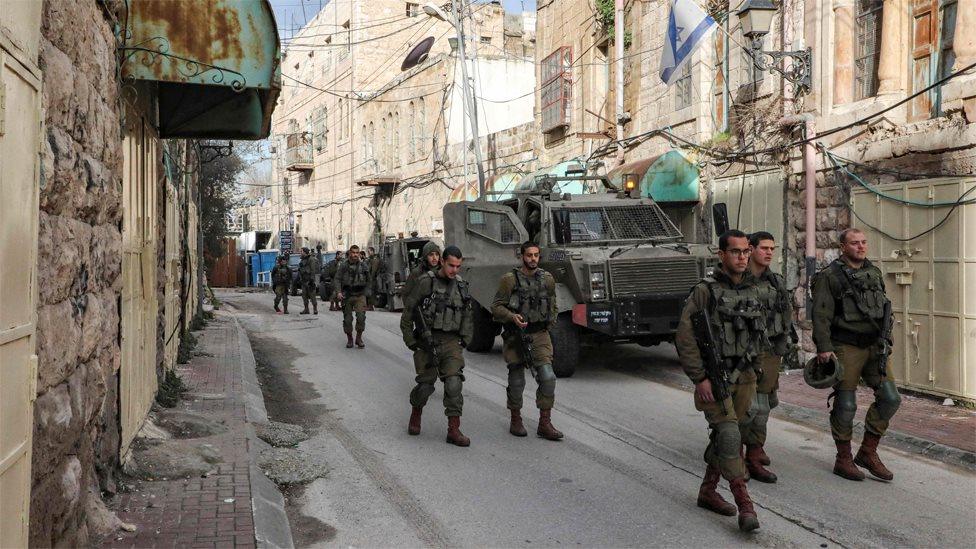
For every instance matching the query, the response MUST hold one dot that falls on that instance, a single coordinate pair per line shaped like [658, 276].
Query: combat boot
[844, 465]
[359, 340]
[516, 427]
[748, 521]
[348, 340]
[286, 309]
[761, 456]
[546, 430]
[755, 467]
[454, 434]
[304, 311]
[315, 309]
[867, 457]
[413, 427]
[277, 310]
[709, 498]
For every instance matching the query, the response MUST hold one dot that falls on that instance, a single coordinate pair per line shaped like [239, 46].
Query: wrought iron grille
[644, 222]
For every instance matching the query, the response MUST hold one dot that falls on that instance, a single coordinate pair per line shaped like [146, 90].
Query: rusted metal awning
[216, 64]
[670, 177]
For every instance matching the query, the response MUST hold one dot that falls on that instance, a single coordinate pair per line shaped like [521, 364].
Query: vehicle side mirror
[720, 215]
[561, 226]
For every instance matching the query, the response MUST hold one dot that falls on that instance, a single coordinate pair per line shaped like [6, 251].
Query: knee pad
[845, 406]
[546, 379]
[424, 390]
[726, 440]
[516, 377]
[886, 399]
[762, 410]
[452, 385]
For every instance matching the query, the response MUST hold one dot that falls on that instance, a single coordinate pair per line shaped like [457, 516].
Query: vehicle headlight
[596, 276]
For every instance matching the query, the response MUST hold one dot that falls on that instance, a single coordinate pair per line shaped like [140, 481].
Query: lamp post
[436, 12]
[755, 18]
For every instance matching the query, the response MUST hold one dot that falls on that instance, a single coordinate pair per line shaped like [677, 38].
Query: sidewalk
[922, 425]
[232, 504]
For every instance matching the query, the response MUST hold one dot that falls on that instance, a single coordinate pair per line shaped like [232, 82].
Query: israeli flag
[688, 26]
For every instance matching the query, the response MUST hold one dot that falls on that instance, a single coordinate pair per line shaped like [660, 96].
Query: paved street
[626, 474]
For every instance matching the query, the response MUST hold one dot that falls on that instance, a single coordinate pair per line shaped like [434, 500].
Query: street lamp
[467, 90]
[755, 18]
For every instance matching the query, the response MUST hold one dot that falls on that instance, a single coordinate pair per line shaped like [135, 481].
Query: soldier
[330, 272]
[430, 260]
[439, 319]
[352, 279]
[374, 269]
[280, 280]
[722, 319]
[850, 309]
[779, 329]
[307, 269]
[525, 305]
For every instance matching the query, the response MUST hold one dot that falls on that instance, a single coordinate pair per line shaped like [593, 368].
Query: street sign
[285, 241]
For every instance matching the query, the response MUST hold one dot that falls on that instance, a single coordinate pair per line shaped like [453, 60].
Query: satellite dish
[418, 54]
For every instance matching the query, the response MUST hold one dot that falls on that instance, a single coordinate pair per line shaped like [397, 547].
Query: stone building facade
[354, 132]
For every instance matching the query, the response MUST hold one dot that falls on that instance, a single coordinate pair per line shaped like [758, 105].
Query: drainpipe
[618, 46]
[810, 186]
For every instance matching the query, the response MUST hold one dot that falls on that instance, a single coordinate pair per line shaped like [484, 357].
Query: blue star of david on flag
[688, 26]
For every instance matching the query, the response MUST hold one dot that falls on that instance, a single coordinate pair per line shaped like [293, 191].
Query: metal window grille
[947, 34]
[557, 89]
[413, 10]
[867, 53]
[493, 225]
[682, 88]
[644, 222]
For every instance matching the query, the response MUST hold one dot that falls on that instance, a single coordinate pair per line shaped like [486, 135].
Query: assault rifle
[524, 341]
[715, 366]
[422, 329]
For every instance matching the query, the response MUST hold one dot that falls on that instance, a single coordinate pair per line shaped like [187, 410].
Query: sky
[287, 11]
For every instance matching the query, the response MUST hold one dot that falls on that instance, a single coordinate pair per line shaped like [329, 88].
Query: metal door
[762, 205]
[931, 281]
[20, 138]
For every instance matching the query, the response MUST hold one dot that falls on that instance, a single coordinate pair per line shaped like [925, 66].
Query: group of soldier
[734, 331]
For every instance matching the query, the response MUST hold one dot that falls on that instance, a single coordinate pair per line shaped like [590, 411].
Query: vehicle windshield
[573, 225]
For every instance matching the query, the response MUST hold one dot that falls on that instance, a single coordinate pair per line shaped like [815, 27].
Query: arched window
[388, 131]
[421, 129]
[397, 154]
[364, 146]
[372, 142]
[412, 129]
[384, 134]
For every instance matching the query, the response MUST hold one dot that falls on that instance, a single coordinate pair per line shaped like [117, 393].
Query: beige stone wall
[76, 433]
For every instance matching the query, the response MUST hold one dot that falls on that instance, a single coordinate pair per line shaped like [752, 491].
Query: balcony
[298, 153]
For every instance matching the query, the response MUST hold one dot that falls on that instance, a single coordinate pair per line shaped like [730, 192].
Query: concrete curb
[271, 527]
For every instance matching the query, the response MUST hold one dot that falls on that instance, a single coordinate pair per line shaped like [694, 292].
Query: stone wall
[76, 433]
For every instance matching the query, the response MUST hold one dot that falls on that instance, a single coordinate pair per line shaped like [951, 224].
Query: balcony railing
[298, 154]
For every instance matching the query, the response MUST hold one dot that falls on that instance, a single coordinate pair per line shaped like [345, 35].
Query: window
[372, 143]
[389, 128]
[934, 24]
[384, 133]
[682, 87]
[557, 88]
[397, 156]
[347, 47]
[413, 10]
[495, 226]
[867, 39]
[720, 89]
[364, 145]
[421, 128]
[412, 128]
[320, 129]
[486, 40]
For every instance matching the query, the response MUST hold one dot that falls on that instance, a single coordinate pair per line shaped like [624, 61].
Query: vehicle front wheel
[565, 345]
[485, 330]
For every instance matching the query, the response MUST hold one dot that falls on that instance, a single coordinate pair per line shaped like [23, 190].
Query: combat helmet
[823, 375]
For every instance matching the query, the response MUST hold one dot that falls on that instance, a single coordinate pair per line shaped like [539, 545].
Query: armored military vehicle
[398, 256]
[621, 267]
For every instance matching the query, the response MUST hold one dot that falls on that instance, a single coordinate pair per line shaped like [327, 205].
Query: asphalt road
[626, 474]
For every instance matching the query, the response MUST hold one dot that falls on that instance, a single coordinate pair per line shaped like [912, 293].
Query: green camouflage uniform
[280, 281]
[737, 323]
[778, 305]
[840, 327]
[446, 307]
[533, 297]
[352, 279]
[307, 269]
[418, 271]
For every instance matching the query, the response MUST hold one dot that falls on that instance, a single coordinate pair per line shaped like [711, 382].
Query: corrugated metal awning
[670, 177]
[216, 64]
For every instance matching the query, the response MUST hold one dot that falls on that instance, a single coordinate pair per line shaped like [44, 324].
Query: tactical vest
[530, 297]
[775, 301]
[739, 320]
[864, 285]
[445, 305]
[356, 275]
[280, 275]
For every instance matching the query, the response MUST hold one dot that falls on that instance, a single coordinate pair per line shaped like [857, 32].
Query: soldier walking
[525, 304]
[373, 260]
[280, 281]
[851, 323]
[307, 269]
[778, 306]
[439, 319]
[719, 338]
[330, 273]
[352, 279]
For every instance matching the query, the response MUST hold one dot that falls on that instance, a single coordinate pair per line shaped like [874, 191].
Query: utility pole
[469, 102]
[618, 46]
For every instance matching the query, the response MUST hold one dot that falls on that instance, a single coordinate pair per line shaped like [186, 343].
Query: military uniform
[330, 272]
[374, 270]
[352, 279]
[737, 323]
[849, 310]
[307, 269]
[420, 270]
[446, 308]
[280, 280]
[777, 304]
[534, 298]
